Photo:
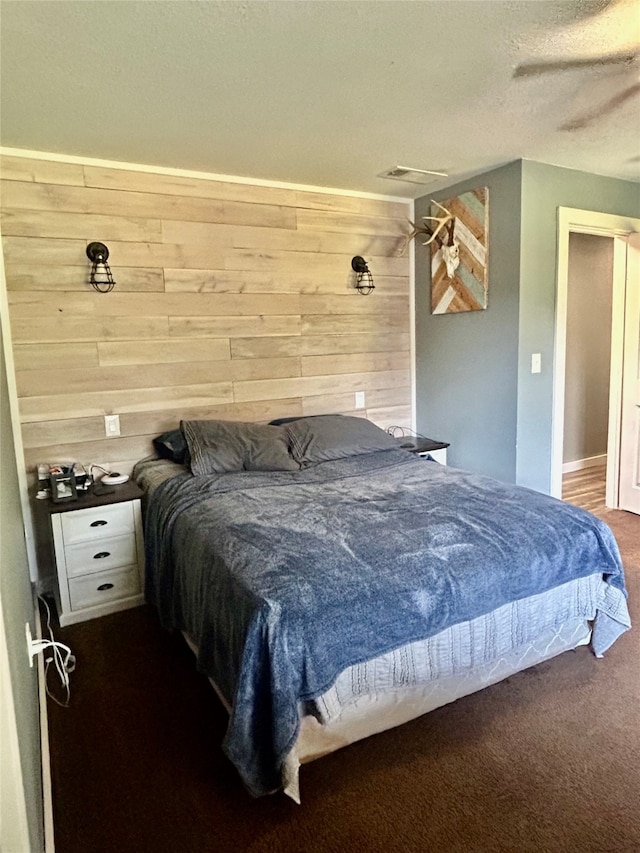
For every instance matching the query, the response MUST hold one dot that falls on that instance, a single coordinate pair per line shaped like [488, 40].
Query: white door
[629, 482]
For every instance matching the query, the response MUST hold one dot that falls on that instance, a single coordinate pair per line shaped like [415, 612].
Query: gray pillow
[327, 437]
[216, 447]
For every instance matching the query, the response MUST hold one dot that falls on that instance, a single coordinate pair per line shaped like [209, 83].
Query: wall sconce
[100, 278]
[364, 279]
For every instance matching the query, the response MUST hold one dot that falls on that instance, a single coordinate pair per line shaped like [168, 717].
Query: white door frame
[603, 225]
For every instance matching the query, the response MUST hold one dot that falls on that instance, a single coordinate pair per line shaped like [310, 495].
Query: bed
[333, 585]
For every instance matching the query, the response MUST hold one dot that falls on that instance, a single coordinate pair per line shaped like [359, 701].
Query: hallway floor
[586, 488]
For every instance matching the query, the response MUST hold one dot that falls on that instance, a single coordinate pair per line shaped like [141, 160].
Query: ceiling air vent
[412, 176]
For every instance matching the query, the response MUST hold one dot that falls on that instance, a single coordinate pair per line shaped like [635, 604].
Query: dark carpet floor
[548, 760]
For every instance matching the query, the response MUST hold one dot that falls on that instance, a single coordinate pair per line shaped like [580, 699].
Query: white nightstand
[99, 553]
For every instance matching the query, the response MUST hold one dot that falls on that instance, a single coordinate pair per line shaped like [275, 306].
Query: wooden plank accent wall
[232, 301]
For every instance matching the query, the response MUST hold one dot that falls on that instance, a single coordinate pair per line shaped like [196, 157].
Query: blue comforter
[285, 579]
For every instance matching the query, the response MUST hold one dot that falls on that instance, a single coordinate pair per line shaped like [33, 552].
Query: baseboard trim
[589, 462]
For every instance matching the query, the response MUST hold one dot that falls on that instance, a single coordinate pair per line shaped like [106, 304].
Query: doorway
[587, 369]
[616, 228]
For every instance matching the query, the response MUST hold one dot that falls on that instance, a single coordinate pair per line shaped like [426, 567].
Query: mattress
[245, 526]
[416, 678]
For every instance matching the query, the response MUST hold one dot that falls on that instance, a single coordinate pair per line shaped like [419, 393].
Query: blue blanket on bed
[285, 579]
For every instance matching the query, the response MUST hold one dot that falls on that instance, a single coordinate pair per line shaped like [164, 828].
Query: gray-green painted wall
[545, 189]
[466, 364]
[473, 370]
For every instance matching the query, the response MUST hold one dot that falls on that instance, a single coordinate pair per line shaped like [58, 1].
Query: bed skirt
[394, 688]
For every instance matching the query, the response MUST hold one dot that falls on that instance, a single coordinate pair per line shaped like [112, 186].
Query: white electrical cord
[64, 663]
[403, 432]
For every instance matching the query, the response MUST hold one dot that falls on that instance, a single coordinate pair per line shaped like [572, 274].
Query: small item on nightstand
[44, 486]
[115, 479]
[63, 483]
[83, 479]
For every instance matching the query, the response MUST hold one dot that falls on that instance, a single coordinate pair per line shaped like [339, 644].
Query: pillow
[279, 421]
[172, 445]
[219, 446]
[326, 437]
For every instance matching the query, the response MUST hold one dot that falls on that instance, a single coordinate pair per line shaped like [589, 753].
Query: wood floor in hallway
[586, 488]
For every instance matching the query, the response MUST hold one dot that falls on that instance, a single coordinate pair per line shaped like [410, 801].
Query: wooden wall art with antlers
[459, 245]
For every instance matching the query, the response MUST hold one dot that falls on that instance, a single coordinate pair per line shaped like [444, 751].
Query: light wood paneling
[153, 423]
[333, 242]
[328, 344]
[42, 223]
[75, 431]
[332, 203]
[277, 281]
[150, 182]
[393, 416]
[264, 368]
[305, 262]
[33, 383]
[34, 196]
[321, 365]
[58, 278]
[261, 347]
[333, 324]
[319, 345]
[59, 406]
[57, 328]
[329, 404]
[41, 171]
[232, 300]
[232, 326]
[353, 304]
[117, 453]
[165, 304]
[24, 251]
[111, 353]
[320, 220]
[311, 386]
[204, 233]
[58, 356]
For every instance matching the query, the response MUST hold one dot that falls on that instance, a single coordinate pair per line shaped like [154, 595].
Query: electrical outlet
[360, 400]
[111, 425]
[30, 652]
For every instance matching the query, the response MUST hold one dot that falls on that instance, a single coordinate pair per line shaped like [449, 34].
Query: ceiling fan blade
[607, 107]
[533, 69]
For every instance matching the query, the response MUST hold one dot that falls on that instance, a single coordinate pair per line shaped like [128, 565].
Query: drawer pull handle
[104, 586]
[99, 523]
[101, 555]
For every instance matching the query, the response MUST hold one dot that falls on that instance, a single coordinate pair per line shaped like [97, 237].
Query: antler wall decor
[447, 245]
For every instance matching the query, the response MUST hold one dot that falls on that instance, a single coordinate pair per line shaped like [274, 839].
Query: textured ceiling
[320, 93]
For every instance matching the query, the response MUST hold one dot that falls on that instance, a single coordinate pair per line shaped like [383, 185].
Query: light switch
[360, 401]
[112, 425]
[536, 362]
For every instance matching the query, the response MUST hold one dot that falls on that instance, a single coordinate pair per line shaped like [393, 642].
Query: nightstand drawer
[99, 552]
[82, 524]
[90, 590]
[100, 555]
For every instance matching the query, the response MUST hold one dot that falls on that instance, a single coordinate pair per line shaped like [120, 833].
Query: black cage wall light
[364, 279]
[100, 277]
